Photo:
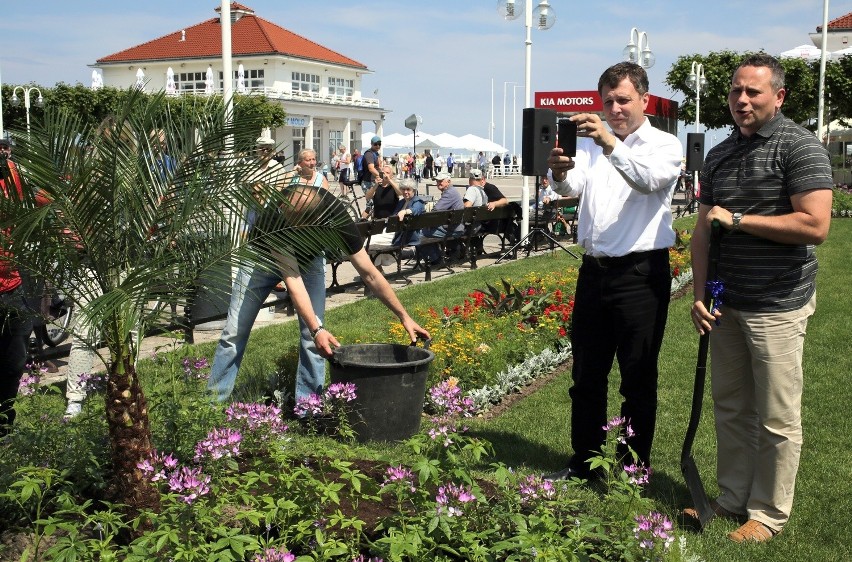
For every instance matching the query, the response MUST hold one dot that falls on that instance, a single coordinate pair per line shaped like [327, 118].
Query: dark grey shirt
[757, 176]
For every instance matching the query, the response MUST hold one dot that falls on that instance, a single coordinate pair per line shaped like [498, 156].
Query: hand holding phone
[567, 137]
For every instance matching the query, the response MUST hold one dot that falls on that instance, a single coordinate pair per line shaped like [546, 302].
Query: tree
[802, 84]
[94, 105]
[152, 194]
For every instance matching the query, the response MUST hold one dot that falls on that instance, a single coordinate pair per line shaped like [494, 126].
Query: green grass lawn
[533, 433]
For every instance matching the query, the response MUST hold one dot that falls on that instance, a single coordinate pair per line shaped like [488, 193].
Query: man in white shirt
[625, 176]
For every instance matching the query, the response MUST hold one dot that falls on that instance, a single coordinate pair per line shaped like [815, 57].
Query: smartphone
[567, 137]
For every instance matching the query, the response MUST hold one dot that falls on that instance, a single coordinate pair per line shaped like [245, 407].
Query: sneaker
[73, 410]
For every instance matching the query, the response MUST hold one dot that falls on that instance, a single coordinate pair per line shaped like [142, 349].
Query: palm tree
[143, 209]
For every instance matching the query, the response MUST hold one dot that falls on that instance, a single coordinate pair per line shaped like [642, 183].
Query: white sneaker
[73, 410]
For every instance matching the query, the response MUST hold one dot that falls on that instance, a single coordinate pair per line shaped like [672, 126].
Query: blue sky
[437, 59]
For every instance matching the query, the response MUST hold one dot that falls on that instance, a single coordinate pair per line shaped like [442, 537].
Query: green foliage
[802, 85]
[93, 106]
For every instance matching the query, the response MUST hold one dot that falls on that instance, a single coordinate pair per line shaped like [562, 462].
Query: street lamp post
[544, 17]
[696, 81]
[16, 102]
[638, 49]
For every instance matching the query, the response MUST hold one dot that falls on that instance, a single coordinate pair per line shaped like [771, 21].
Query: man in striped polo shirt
[769, 185]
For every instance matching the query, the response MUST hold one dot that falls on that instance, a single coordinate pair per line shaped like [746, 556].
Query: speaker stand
[529, 239]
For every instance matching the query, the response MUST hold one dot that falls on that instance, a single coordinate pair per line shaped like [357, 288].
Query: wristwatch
[314, 333]
[735, 220]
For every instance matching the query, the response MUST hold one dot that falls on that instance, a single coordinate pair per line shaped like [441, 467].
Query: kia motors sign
[569, 102]
[661, 111]
[589, 101]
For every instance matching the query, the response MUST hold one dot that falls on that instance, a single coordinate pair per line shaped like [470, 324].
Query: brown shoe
[752, 531]
[692, 513]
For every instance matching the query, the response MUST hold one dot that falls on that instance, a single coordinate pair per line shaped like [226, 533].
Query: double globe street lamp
[17, 102]
[696, 81]
[638, 50]
[543, 17]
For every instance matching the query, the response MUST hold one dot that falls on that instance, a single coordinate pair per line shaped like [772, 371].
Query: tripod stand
[529, 239]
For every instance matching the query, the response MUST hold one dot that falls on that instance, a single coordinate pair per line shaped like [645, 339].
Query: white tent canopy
[442, 141]
[807, 52]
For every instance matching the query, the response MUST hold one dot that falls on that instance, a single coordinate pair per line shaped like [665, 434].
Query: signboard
[661, 111]
[296, 121]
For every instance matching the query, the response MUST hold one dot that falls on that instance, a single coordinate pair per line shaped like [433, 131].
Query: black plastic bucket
[390, 381]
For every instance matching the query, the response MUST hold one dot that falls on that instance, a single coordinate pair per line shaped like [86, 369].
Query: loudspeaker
[694, 152]
[538, 139]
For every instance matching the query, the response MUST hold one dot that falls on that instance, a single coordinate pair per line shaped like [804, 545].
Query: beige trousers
[756, 381]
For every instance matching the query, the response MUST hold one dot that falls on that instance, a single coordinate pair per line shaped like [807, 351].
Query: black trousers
[620, 311]
[15, 327]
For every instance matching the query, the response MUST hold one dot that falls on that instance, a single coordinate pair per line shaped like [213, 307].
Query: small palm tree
[141, 210]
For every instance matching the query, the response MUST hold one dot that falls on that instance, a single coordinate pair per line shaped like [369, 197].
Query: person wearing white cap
[450, 200]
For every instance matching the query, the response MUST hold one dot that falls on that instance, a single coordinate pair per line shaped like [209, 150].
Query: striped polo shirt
[757, 176]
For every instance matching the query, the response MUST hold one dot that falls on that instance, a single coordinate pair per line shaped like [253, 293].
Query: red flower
[562, 332]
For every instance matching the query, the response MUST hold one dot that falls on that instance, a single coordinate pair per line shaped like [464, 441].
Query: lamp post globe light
[638, 50]
[697, 82]
[544, 17]
[16, 101]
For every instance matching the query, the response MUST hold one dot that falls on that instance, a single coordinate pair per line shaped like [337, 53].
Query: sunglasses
[377, 144]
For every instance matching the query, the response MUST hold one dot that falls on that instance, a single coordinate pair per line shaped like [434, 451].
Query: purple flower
[189, 484]
[534, 487]
[28, 384]
[309, 406]
[259, 419]
[614, 423]
[219, 443]
[343, 392]
[652, 528]
[92, 382]
[451, 499]
[274, 555]
[399, 474]
[638, 474]
[447, 399]
[193, 367]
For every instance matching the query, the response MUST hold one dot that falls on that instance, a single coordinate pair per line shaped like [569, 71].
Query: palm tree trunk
[130, 438]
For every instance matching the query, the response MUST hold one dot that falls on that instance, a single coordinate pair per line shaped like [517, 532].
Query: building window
[340, 87]
[190, 82]
[305, 83]
[335, 139]
[318, 142]
[254, 79]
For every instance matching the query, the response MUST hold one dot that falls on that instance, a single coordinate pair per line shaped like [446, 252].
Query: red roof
[839, 24]
[250, 35]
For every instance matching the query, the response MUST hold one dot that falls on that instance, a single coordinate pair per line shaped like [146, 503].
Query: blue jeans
[251, 287]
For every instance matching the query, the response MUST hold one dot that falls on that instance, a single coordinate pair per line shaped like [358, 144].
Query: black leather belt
[621, 261]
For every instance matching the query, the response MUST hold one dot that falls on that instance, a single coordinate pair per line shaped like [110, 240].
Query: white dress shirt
[625, 199]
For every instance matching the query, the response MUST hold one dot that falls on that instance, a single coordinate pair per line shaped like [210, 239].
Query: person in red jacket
[15, 320]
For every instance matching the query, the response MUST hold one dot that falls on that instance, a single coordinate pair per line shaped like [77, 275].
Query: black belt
[621, 261]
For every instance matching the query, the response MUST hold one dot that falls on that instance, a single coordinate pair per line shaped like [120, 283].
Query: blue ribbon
[717, 289]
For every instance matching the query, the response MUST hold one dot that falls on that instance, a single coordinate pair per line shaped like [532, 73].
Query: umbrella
[807, 52]
[140, 79]
[208, 81]
[479, 144]
[171, 89]
[842, 53]
[97, 80]
[241, 79]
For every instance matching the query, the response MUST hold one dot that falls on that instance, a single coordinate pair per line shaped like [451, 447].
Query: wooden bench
[501, 222]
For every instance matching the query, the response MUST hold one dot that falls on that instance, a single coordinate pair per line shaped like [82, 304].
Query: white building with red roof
[838, 35]
[320, 89]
